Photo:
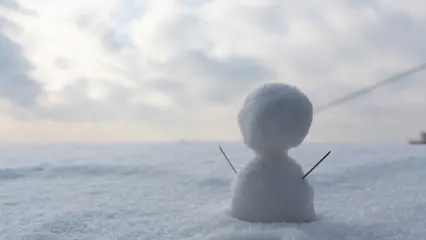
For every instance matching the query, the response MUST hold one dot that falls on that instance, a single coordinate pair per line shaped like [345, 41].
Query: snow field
[183, 191]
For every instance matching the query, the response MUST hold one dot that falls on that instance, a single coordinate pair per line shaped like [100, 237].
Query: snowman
[274, 118]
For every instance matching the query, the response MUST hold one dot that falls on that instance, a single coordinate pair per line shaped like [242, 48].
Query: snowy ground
[182, 191]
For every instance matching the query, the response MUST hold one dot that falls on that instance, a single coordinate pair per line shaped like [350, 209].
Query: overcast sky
[126, 70]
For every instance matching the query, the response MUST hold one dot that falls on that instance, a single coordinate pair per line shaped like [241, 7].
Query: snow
[182, 190]
[274, 118]
[271, 189]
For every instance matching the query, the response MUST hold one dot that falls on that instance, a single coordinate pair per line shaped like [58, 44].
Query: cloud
[16, 84]
[12, 4]
[220, 80]
[183, 67]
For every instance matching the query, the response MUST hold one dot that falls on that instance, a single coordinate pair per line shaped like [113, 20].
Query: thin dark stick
[326, 155]
[224, 154]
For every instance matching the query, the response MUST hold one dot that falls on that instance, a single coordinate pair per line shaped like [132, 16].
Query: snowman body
[274, 118]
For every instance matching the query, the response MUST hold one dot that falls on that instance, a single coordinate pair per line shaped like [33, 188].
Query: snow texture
[274, 118]
[271, 189]
[181, 191]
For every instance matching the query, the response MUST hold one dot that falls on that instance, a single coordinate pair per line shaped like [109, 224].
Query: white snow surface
[275, 117]
[182, 190]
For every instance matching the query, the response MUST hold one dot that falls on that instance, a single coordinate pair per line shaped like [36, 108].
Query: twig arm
[227, 159]
[318, 163]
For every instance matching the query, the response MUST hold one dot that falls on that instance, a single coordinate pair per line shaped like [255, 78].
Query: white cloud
[181, 68]
[15, 83]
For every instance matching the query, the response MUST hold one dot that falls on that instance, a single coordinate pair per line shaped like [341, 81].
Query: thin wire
[370, 88]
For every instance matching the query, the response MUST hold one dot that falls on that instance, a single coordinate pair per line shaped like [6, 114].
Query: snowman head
[275, 118]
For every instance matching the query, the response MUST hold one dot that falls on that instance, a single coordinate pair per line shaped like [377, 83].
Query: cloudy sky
[128, 70]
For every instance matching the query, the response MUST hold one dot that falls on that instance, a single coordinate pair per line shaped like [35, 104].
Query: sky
[164, 70]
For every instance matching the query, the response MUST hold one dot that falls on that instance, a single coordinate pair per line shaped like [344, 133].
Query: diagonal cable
[370, 88]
